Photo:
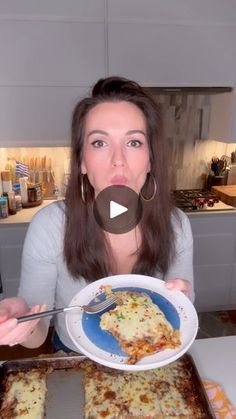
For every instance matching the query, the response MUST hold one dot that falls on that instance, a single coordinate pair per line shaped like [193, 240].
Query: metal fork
[91, 309]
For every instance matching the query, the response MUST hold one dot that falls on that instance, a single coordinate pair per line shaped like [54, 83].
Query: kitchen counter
[215, 360]
[25, 215]
[210, 212]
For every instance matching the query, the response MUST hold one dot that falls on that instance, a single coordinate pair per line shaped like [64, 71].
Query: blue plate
[104, 340]
[99, 345]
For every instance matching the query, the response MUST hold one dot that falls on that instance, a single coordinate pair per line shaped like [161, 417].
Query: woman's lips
[119, 180]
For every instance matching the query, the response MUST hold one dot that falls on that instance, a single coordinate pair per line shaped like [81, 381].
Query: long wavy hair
[86, 250]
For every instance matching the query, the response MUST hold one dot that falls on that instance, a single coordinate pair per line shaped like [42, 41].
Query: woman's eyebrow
[136, 131]
[97, 131]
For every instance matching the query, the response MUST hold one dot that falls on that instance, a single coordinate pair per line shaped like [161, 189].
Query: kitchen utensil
[91, 309]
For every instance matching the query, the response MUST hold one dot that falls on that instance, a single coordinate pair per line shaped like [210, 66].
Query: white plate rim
[182, 304]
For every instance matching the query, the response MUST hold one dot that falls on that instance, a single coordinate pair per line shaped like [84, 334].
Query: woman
[116, 140]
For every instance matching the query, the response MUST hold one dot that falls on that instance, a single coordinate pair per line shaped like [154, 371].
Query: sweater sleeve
[182, 265]
[43, 245]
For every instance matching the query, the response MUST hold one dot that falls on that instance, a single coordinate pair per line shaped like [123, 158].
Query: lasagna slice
[161, 393]
[139, 325]
[25, 395]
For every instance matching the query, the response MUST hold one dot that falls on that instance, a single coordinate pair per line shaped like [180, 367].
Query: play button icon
[117, 209]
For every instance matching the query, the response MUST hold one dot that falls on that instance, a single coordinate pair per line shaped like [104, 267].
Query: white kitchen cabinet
[214, 260]
[11, 245]
[172, 55]
[222, 125]
[51, 53]
[173, 44]
[37, 116]
[202, 11]
[74, 9]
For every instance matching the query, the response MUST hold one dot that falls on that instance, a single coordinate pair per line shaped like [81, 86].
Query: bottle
[6, 180]
[23, 189]
[18, 203]
[3, 207]
[11, 202]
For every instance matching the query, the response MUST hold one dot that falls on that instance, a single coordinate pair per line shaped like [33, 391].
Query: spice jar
[11, 202]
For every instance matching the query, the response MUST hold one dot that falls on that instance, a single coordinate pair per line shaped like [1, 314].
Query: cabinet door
[47, 64]
[214, 260]
[173, 43]
[212, 287]
[223, 117]
[233, 286]
[69, 9]
[11, 245]
[41, 115]
[172, 55]
[168, 11]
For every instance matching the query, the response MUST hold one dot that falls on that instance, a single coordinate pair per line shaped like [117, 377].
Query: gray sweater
[44, 275]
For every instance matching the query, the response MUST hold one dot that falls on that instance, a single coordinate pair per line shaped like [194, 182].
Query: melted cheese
[139, 325]
[153, 394]
[26, 392]
[136, 317]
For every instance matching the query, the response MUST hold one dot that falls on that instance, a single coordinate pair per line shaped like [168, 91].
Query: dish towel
[221, 405]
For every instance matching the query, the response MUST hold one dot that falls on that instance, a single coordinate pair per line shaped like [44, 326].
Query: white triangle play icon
[116, 209]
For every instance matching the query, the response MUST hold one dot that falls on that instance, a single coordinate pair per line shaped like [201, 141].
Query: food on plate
[139, 325]
[25, 395]
[167, 392]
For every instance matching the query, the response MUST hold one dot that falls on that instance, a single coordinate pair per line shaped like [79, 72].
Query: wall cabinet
[37, 116]
[172, 55]
[51, 53]
[223, 117]
[56, 50]
[11, 244]
[214, 260]
[168, 44]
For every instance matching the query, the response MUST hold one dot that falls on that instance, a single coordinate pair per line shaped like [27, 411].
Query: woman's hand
[180, 285]
[12, 333]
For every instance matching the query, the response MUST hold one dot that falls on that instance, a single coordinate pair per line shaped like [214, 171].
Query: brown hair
[86, 251]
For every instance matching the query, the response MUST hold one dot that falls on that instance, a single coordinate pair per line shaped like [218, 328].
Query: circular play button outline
[117, 209]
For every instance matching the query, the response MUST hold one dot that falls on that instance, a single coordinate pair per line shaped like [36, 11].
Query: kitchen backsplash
[186, 126]
[56, 159]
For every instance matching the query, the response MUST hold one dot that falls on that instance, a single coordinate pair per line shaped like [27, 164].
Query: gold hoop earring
[83, 189]
[154, 192]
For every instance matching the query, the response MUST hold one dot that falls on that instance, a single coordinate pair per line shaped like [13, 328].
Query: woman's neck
[123, 251]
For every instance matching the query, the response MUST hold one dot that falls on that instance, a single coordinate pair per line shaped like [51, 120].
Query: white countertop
[25, 215]
[215, 359]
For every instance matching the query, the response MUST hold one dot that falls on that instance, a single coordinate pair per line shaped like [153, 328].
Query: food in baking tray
[139, 325]
[166, 392]
[25, 395]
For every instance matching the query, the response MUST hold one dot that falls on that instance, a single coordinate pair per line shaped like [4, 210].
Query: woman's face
[115, 150]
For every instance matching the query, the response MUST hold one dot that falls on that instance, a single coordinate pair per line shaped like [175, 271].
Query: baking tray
[65, 397]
